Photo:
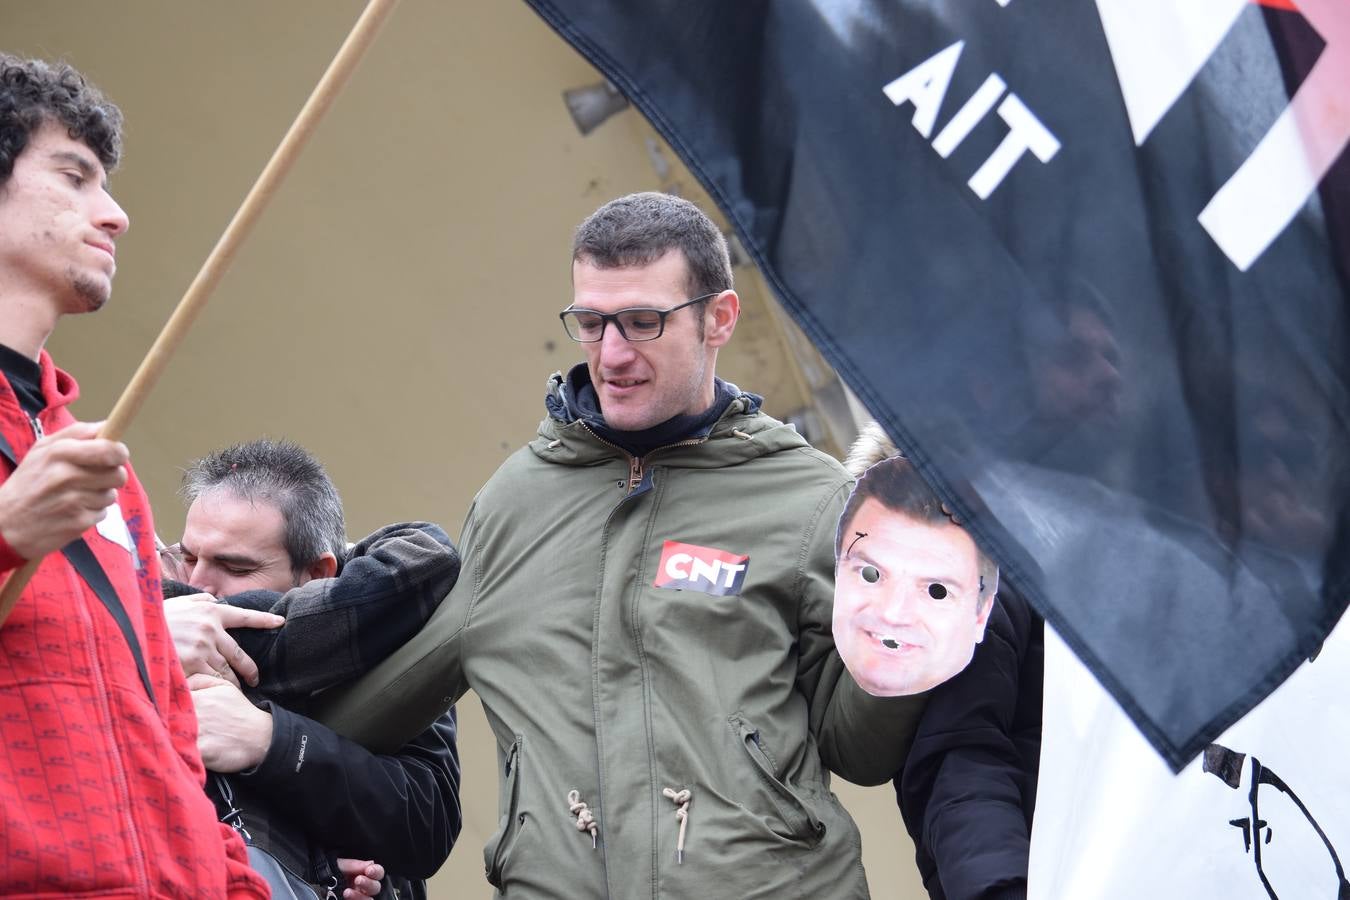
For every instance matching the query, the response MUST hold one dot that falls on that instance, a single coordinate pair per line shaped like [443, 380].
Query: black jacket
[317, 795]
[968, 788]
[327, 794]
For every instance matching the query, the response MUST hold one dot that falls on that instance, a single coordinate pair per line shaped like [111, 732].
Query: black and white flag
[1088, 263]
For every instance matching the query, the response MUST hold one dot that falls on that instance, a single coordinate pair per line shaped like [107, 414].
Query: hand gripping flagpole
[329, 86]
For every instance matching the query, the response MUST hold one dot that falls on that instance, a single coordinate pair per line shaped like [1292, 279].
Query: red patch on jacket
[689, 567]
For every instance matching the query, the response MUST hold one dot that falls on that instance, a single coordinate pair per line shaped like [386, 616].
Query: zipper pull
[328, 879]
[634, 472]
[38, 433]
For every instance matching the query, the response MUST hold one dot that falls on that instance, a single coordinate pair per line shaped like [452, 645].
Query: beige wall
[395, 309]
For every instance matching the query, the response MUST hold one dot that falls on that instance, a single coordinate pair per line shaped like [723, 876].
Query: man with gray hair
[647, 617]
[265, 533]
[283, 477]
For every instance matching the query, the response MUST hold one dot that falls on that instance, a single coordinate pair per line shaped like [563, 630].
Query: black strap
[81, 557]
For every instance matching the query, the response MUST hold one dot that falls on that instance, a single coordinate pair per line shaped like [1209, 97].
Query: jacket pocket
[799, 822]
[498, 848]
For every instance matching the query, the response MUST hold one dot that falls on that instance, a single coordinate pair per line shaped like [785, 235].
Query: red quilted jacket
[100, 791]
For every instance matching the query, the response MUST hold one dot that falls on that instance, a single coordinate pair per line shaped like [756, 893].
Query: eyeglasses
[638, 323]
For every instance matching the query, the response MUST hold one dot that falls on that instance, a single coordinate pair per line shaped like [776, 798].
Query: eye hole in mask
[937, 591]
[870, 574]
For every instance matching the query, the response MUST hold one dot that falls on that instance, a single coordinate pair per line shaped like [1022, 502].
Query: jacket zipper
[637, 464]
[117, 761]
[635, 472]
[634, 462]
[636, 467]
[687, 442]
[109, 729]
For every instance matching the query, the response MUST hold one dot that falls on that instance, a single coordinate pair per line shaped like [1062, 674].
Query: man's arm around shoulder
[339, 628]
[861, 738]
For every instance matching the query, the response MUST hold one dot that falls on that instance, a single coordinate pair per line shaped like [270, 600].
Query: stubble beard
[673, 402]
[687, 401]
[91, 293]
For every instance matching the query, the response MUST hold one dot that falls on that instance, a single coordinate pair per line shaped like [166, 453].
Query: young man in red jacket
[100, 778]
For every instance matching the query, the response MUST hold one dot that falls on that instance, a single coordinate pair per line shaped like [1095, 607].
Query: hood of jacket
[59, 390]
[740, 435]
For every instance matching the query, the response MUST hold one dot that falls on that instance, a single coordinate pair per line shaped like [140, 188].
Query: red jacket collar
[59, 388]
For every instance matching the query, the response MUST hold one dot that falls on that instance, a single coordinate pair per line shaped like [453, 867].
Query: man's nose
[614, 347]
[109, 217]
[900, 606]
[201, 579]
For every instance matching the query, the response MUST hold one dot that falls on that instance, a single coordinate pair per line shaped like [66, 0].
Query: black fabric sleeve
[400, 810]
[965, 791]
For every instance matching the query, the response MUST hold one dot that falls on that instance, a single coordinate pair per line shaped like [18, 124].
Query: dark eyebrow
[238, 560]
[861, 554]
[864, 556]
[233, 559]
[81, 162]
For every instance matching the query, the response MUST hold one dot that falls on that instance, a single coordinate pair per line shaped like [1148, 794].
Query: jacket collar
[58, 390]
[742, 433]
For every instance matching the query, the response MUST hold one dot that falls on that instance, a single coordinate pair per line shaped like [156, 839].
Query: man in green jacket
[645, 610]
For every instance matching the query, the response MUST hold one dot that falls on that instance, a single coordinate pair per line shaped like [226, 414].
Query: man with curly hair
[100, 778]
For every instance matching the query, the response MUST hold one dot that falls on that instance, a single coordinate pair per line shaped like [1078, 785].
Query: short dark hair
[34, 93]
[639, 229]
[892, 481]
[286, 475]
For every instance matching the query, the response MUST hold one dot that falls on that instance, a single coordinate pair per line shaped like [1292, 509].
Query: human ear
[323, 567]
[982, 618]
[723, 312]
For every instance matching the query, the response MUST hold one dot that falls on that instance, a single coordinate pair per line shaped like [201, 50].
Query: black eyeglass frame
[606, 318]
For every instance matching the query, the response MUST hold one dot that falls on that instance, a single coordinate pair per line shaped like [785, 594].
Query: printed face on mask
[908, 609]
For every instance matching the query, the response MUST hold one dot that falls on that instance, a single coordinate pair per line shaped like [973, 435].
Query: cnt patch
[689, 567]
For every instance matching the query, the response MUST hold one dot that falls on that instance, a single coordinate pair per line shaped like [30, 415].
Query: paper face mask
[910, 600]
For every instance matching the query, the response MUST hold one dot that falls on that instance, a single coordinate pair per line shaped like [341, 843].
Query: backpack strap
[81, 557]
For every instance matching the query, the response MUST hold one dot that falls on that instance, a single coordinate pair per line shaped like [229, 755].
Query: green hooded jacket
[607, 686]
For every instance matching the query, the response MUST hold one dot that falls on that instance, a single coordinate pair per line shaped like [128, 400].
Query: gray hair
[284, 474]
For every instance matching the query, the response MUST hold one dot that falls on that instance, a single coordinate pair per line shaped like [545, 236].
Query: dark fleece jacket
[968, 788]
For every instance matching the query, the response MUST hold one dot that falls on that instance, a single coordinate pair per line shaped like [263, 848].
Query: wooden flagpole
[143, 382]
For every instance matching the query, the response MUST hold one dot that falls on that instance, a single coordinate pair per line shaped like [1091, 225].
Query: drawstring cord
[681, 800]
[585, 818]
